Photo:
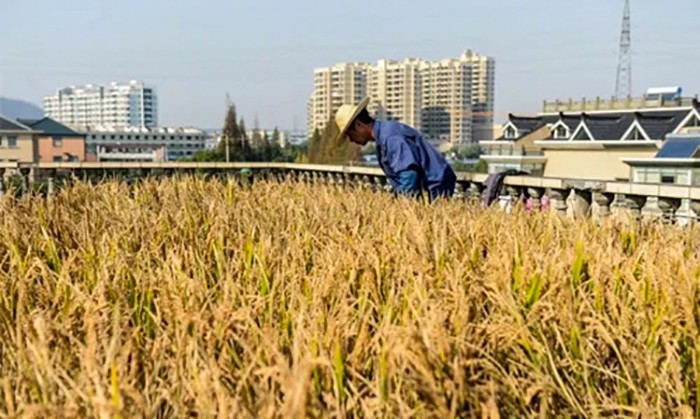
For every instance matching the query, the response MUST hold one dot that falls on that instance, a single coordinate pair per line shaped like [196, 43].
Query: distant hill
[13, 108]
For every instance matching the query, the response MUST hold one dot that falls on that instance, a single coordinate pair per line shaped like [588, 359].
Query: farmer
[410, 163]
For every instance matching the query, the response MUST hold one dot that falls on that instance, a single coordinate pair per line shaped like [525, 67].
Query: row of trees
[236, 145]
[323, 148]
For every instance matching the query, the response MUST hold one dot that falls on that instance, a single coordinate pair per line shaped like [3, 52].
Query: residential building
[483, 94]
[56, 142]
[450, 101]
[269, 134]
[590, 144]
[396, 91]
[177, 143]
[516, 149]
[446, 102]
[130, 152]
[676, 163]
[334, 86]
[134, 104]
[18, 142]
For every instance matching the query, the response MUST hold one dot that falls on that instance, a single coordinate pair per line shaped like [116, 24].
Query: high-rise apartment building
[446, 102]
[451, 101]
[483, 94]
[334, 86]
[125, 105]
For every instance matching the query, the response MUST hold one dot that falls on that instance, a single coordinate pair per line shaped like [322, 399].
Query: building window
[635, 135]
[12, 142]
[561, 132]
[57, 159]
[668, 179]
[694, 123]
[57, 142]
[510, 133]
[582, 135]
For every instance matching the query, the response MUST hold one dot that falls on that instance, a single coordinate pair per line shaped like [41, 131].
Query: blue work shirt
[410, 163]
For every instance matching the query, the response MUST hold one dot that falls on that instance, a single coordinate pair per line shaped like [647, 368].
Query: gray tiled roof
[49, 127]
[608, 127]
[7, 124]
[611, 126]
[659, 124]
[525, 123]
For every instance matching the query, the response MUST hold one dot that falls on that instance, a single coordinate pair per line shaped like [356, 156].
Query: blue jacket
[410, 163]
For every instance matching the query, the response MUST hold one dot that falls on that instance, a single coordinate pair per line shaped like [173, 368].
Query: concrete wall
[23, 153]
[593, 164]
[75, 146]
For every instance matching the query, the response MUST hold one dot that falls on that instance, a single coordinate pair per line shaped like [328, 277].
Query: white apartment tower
[450, 101]
[334, 86]
[395, 88]
[123, 105]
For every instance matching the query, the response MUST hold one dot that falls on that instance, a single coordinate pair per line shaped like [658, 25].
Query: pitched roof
[50, 127]
[7, 124]
[607, 127]
[570, 121]
[525, 123]
[679, 148]
[659, 124]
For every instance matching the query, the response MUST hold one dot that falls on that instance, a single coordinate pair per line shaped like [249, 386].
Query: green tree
[314, 147]
[245, 143]
[231, 137]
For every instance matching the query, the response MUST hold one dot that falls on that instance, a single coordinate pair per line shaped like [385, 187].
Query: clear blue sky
[263, 52]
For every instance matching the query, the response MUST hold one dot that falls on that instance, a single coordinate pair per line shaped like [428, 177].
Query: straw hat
[346, 116]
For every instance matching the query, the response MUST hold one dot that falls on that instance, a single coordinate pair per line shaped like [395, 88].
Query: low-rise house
[18, 142]
[676, 163]
[588, 145]
[56, 142]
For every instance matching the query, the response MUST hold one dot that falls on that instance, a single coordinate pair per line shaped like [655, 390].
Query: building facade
[144, 144]
[334, 86]
[57, 142]
[597, 144]
[450, 101]
[126, 105]
[18, 142]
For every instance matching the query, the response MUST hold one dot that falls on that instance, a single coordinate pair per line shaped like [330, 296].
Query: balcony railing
[564, 197]
[512, 151]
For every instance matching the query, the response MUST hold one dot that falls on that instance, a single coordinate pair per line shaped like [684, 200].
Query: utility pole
[227, 149]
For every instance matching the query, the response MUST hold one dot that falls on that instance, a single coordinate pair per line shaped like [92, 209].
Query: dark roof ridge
[529, 118]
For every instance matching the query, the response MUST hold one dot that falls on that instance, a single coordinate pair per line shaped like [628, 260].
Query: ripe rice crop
[185, 296]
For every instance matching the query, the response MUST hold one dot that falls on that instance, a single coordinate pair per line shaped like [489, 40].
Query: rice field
[186, 297]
